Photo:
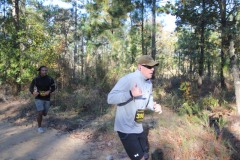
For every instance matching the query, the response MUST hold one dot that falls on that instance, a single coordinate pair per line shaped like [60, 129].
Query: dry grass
[178, 138]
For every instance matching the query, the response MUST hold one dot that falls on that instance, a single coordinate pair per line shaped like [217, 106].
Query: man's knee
[44, 113]
[40, 113]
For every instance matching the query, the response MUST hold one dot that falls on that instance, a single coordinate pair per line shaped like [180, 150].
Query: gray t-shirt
[126, 105]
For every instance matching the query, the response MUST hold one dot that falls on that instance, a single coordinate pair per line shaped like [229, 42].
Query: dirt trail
[19, 139]
[22, 142]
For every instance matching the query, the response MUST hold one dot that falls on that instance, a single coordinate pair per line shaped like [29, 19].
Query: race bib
[139, 116]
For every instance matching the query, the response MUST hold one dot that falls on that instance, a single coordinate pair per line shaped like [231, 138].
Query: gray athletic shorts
[42, 105]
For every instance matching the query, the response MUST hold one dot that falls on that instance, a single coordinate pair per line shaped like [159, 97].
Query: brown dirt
[74, 138]
[20, 141]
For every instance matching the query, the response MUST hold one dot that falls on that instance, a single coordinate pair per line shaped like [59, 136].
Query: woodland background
[90, 45]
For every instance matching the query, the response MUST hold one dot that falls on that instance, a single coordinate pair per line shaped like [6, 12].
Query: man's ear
[139, 67]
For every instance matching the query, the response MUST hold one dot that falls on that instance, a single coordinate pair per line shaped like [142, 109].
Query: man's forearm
[116, 97]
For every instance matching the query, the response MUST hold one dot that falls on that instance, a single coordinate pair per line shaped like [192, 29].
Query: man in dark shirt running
[41, 88]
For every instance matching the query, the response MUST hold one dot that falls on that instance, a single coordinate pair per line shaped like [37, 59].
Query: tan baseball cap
[147, 60]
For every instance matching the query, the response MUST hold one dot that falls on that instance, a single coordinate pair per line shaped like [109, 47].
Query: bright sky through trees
[167, 20]
[59, 3]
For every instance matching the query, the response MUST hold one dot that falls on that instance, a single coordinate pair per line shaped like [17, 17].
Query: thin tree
[222, 7]
[16, 45]
[235, 73]
[154, 29]
[142, 26]
[202, 45]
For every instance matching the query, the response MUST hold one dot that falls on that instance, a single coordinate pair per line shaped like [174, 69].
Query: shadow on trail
[233, 141]
[17, 112]
[157, 154]
[7, 109]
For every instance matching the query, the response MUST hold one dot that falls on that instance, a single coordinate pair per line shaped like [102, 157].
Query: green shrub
[189, 108]
[210, 102]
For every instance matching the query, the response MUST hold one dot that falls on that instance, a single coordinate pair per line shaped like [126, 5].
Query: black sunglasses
[148, 67]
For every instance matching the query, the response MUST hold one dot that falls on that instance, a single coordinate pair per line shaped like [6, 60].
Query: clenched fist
[157, 108]
[136, 91]
[35, 93]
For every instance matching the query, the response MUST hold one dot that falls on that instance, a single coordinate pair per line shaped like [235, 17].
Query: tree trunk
[154, 29]
[237, 94]
[222, 6]
[191, 67]
[142, 28]
[2, 27]
[75, 40]
[82, 60]
[15, 14]
[209, 68]
[4, 17]
[235, 73]
[180, 64]
[201, 59]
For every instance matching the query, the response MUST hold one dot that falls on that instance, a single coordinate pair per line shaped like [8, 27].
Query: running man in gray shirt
[133, 94]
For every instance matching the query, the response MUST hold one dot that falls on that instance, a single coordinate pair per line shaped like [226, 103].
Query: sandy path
[23, 142]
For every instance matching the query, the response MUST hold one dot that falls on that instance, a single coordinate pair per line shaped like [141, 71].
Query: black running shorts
[136, 145]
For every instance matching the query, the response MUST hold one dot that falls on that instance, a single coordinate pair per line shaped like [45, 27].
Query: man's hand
[157, 108]
[35, 94]
[46, 93]
[136, 91]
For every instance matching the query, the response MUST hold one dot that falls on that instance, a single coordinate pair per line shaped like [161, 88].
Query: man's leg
[44, 113]
[46, 107]
[144, 144]
[39, 106]
[39, 118]
[132, 146]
